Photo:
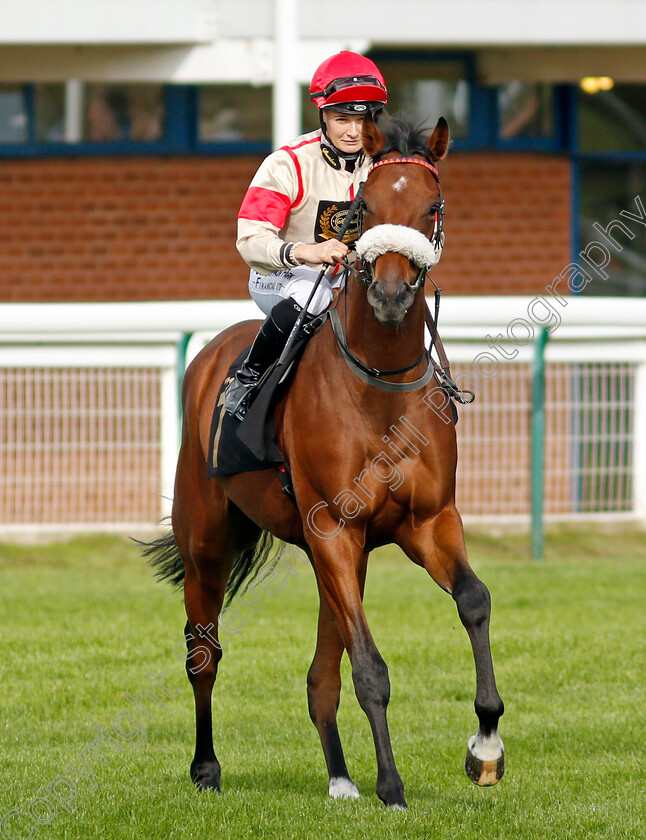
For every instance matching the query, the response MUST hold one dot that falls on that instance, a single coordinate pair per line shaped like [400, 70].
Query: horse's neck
[382, 347]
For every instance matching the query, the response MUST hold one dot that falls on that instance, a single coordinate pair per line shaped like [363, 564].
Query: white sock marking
[343, 789]
[486, 749]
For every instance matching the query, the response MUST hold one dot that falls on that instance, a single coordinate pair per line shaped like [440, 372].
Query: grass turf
[83, 622]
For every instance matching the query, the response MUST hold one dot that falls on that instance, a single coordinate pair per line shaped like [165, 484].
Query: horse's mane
[403, 135]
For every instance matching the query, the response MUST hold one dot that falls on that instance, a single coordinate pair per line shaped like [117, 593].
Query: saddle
[249, 445]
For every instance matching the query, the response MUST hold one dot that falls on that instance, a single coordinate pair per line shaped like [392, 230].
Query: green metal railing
[538, 443]
[180, 369]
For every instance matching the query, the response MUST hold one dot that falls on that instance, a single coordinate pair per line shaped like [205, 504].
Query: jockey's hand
[330, 251]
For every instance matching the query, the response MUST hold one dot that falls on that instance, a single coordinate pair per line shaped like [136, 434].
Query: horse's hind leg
[209, 538]
[439, 548]
[323, 692]
[203, 603]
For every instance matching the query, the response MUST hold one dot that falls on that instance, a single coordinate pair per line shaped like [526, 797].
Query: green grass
[83, 622]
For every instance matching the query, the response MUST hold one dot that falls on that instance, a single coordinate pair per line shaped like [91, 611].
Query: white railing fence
[89, 413]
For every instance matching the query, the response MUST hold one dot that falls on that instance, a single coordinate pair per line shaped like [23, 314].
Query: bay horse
[352, 492]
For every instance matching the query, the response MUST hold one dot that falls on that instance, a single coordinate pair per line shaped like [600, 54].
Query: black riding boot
[264, 351]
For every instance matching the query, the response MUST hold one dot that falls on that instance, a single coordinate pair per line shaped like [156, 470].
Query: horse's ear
[373, 140]
[439, 140]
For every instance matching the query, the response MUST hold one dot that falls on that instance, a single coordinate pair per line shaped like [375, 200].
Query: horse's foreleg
[439, 548]
[338, 578]
[323, 693]
[485, 763]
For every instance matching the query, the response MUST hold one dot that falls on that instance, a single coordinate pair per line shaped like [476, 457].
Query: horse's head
[402, 213]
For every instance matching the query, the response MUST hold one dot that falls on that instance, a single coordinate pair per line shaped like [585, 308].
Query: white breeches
[269, 289]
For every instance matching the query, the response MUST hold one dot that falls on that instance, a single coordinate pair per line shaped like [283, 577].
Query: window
[14, 118]
[428, 89]
[525, 110]
[78, 113]
[113, 113]
[81, 118]
[604, 192]
[235, 113]
[50, 113]
[613, 120]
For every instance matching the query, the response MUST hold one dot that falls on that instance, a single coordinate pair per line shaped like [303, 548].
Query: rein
[353, 211]
[370, 375]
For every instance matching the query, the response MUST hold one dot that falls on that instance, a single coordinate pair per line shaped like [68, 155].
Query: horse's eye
[434, 209]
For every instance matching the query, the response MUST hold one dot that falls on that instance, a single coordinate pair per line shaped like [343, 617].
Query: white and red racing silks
[297, 195]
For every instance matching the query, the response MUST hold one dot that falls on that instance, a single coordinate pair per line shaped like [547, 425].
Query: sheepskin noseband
[411, 243]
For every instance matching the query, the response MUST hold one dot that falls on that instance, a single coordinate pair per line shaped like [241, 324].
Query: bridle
[366, 275]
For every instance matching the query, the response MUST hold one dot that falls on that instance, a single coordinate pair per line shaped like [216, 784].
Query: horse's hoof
[393, 798]
[343, 788]
[485, 762]
[206, 776]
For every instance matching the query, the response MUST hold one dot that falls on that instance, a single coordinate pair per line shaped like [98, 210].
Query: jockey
[296, 204]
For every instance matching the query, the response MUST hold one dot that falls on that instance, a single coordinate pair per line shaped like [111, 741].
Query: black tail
[248, 565]
[163, 555]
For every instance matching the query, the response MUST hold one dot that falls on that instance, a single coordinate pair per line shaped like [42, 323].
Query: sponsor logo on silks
[330, 216]
[331, 157]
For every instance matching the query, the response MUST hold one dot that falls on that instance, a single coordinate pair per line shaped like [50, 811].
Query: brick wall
[164, 228]
[508, 223]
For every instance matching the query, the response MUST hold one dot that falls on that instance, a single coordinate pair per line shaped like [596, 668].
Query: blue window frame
[195, 118]
[174, 135]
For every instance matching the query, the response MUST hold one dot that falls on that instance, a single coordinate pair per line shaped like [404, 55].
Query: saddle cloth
[245, 446]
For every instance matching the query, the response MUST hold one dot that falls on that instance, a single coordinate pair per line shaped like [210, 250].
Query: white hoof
[485, 761]
[343, 789]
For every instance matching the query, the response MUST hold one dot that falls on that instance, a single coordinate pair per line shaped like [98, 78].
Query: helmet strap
[334, 156]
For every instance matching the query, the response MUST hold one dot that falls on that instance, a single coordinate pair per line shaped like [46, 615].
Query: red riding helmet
[350, 83]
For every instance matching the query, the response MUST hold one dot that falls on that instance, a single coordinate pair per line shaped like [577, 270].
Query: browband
[419, 161]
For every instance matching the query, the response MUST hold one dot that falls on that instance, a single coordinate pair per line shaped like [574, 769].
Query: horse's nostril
[404, 295]
[390, 308]
[376, 293]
